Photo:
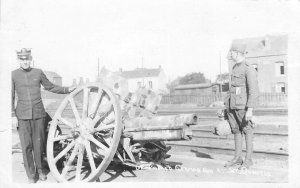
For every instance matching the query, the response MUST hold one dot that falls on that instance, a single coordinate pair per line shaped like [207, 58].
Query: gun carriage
[102, 123]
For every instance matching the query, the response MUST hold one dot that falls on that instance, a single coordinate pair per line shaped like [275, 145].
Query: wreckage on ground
[103, 123]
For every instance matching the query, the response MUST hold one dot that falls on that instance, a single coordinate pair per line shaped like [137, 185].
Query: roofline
[140, 77]
[266, 56]
[260, 56]
[263, 36]
[197, 87]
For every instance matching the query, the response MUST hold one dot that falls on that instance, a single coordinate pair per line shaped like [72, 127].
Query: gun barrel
[175, 127]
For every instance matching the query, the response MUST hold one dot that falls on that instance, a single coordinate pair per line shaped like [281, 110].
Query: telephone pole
[98, 69]
[221, 81]
[143, 71]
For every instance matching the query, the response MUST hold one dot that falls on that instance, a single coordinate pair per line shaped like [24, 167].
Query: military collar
[239, 64]
[26, 70]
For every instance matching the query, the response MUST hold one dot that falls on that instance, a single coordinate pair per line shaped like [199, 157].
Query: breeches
[32, 137]
[237, 121]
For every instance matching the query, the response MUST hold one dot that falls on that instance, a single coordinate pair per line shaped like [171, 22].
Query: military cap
[239, 48]
[24, 53]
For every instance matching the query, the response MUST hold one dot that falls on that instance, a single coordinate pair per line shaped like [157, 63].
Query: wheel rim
[91, 135]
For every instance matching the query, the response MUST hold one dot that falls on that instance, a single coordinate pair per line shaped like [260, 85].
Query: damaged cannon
[102, 123]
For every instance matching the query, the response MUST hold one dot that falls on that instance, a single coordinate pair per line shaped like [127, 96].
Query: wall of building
[133, 83]
[194, 91]
[266, 75]
[158, 82]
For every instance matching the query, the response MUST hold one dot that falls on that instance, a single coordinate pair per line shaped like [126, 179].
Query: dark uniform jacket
[243, 92]
[27, 85]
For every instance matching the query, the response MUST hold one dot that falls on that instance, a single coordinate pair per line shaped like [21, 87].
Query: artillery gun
[103, 123]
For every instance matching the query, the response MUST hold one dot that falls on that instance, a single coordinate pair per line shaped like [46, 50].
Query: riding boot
[238, 144]
[249, 149]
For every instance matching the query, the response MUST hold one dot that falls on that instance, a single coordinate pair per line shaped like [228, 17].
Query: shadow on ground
[200, 154]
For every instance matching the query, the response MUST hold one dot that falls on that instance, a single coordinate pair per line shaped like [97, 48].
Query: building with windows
[154, 79]
[268, 55]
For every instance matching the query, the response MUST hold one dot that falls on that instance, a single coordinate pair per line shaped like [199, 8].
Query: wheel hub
[83, 130]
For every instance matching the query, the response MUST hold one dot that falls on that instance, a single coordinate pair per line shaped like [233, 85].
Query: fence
[265, 99]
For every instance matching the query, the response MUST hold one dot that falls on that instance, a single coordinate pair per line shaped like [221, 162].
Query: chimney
[81, 81]
[159, 66]
[120, 70]
[74, 82]
[266, 43]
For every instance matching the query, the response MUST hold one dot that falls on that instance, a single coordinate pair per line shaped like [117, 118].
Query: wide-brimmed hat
[24, 53]
[239, 47]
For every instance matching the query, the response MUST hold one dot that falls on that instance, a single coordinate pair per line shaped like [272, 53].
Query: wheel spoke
[85, 102]
[75, 111]
[90, 155]
[70, 160]
[66, 122]
[99, 144]
[106, 111]
[102, 127]
[79, 164]
[109, 120]
[96, 103]
[65, 170]
[61, 137]
[64, 151]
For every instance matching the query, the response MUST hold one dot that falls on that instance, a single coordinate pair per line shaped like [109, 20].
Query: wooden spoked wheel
[90, 119]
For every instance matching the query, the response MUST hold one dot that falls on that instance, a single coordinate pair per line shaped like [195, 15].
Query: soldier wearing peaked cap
[29, 115]
[240, 102]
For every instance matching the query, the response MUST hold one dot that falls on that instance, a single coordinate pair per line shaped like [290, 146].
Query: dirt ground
[190, 168]
[194, 165]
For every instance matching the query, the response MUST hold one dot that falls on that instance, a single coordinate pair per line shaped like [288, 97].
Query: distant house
[268, 55]
[154, 79]
[54, 77]
[192, 89]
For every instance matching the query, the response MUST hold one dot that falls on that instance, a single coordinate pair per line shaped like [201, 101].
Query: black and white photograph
[142, 92]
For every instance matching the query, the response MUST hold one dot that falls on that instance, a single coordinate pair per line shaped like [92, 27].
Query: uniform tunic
[27, 85]
[31, 115]
[243, 94]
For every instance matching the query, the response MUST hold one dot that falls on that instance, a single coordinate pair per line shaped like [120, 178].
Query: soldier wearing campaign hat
[242, 98]
[29, 114]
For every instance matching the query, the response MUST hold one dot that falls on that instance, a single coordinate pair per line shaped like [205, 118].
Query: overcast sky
[182, 36]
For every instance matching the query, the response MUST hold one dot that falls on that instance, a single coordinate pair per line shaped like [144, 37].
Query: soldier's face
[237, 56]
[24, 63]
[234, 55]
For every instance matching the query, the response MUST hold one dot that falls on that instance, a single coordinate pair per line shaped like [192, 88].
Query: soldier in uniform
[242, 97]
[29, 115]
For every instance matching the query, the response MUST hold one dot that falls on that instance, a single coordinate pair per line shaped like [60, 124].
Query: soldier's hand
[72, 88]
[15, 124]
[249, 114]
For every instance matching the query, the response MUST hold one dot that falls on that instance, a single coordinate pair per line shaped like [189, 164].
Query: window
[280, 87]
[255, 66]
[279, 68]
[150, 84]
